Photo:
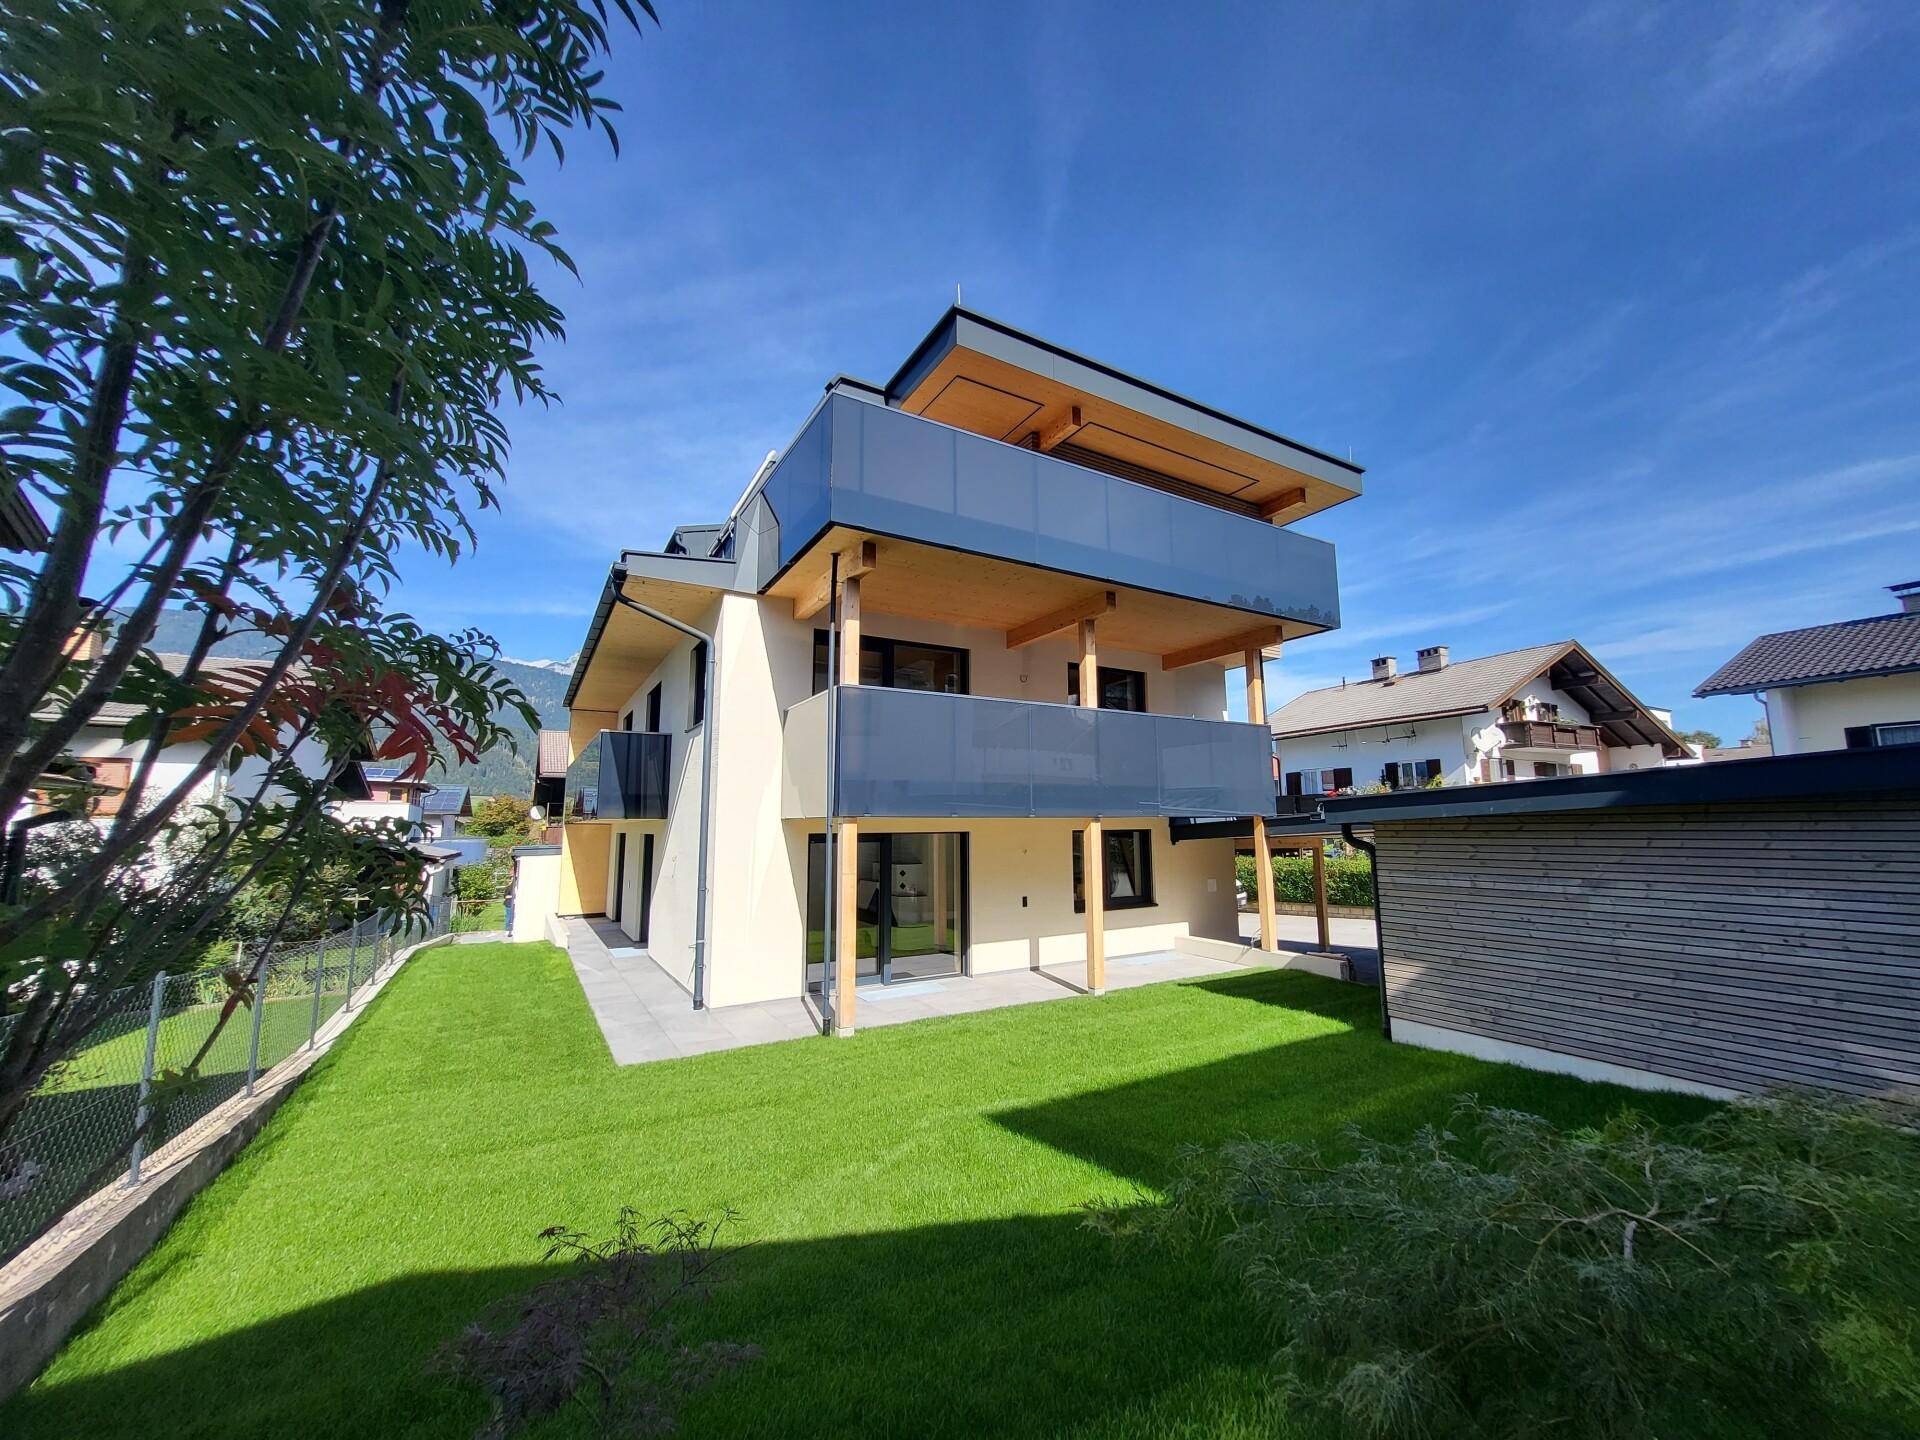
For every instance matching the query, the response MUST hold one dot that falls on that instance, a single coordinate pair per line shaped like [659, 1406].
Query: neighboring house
[1745, 750]
[101, 754]
[441, 810]
[1044, 569]
[388, 797]
[1545, 711]
[550, 780]
[1852, 685]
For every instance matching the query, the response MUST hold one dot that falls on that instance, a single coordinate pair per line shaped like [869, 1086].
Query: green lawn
[919, 1264]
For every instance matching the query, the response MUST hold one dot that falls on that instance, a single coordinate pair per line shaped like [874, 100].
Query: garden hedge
[1349, 882]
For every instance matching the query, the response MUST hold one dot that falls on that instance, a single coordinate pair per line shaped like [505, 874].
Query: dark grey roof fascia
[679, 569]
[1833, 678]
[847, 383]
[974, 331]
[1780, 777]
[21, 527]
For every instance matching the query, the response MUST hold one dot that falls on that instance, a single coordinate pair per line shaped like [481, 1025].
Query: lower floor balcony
[932, 754]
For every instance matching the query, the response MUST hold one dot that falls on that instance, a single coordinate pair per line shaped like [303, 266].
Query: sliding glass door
[909, 897]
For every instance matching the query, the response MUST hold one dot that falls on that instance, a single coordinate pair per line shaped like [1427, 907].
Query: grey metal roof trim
[1820, 654]
[679, 569]
[1779, 777]
[946, 333]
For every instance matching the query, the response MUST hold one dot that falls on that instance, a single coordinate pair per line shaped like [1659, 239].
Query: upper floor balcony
[927, 754]
[870, 470]
[1550, 735]
[619, 775]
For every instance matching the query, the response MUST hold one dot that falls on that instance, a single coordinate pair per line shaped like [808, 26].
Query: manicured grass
[918, 1263]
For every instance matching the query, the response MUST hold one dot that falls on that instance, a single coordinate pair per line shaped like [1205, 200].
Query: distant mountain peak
[559, 667]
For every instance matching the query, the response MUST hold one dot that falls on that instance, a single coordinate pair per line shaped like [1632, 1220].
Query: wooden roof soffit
[854, 562]
[1055, 621]
[1236, 646]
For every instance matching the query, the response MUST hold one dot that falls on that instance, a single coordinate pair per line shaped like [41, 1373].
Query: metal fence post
[353, 954]
[319, 979]
[259, 1010]
[141, 1115]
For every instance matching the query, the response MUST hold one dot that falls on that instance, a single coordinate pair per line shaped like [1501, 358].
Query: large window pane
[1128, 874]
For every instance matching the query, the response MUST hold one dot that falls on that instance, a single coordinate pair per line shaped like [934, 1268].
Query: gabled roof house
[1543, 711]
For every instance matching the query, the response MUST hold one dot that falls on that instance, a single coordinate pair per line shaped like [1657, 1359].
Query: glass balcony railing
[619, 775]
[927, 753]
[872, 468]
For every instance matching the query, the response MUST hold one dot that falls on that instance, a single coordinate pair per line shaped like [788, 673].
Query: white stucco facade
[1804, 718]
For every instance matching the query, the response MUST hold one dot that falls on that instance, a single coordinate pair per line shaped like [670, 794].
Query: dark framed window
[626, 721]
[1128, 871]
[1875, 737]
[653, 710]
[900, 665]
[1324, 781]
[1119, 689]
[1409, 774]
[697, 711]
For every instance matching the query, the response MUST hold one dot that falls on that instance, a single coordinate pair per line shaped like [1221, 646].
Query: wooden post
[1093, 852]
[847, 916]
[1320, 894]
[1262, 848]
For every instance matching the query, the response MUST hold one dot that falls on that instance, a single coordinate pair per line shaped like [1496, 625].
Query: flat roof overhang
[623, 646]
[927, 582]
[1781, 777]
[982, 375]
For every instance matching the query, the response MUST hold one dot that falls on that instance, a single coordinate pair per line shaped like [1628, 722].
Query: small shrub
[1502, 1277]
[1349, 881]
[602, 1337]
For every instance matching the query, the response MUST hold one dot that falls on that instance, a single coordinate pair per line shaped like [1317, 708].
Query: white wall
[1815, 717]
[1366, 751]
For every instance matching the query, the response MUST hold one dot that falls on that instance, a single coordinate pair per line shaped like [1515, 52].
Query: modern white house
[389, 796]
[1852, 685]
[1545, 711]
[956, 661]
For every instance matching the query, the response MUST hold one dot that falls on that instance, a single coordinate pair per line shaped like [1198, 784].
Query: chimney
[87, 643]
[1908, 594]
[1434, 657]
[1385, 667]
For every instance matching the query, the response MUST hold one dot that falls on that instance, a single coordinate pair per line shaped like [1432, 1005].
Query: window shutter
[1860, 737]
[1390, 773]
[1293, 782]
[1343, 779]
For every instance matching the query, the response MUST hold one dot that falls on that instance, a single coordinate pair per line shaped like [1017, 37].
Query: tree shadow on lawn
[1029, 1325]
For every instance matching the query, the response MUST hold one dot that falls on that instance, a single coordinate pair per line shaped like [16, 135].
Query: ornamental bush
[1349, 882]
[1752, 1273]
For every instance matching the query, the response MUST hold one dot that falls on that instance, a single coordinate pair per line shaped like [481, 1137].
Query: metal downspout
[1379, 936]
[706, 775]
[829, 1000]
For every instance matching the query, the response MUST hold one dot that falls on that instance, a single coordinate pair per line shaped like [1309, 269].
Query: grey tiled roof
[112, 712]
[1878, 645]
[1456, 689]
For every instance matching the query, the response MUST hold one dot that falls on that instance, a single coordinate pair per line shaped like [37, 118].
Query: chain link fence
[168, 1051]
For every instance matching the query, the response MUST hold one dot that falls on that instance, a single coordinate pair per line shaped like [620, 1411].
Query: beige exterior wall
[1815, 717]
[758, 901]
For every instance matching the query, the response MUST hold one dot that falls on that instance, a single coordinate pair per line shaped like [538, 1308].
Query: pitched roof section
[1846, 650]
[1460, 688]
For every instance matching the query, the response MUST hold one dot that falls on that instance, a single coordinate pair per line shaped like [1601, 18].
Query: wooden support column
[846, 920]
[1320, 894]
[1256, 661]
[1093, 845]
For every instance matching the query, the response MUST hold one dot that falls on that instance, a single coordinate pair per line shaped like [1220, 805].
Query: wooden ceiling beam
[1061, 430]
[1257, 638]
[854, 563]
[1055, 621]
[1294, 499]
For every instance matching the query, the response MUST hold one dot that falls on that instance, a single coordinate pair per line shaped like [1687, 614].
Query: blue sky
[1617, 303]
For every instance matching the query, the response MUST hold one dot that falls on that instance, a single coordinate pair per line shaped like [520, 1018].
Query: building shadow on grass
[1308, 1089]
[1028, 1326]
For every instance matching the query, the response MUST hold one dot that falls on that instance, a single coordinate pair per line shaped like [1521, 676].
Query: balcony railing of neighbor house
[928, 753]
[1550, 735]
[869, 467]
[619, 775]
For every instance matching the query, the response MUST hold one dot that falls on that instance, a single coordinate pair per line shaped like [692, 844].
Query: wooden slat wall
[1732, 945]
